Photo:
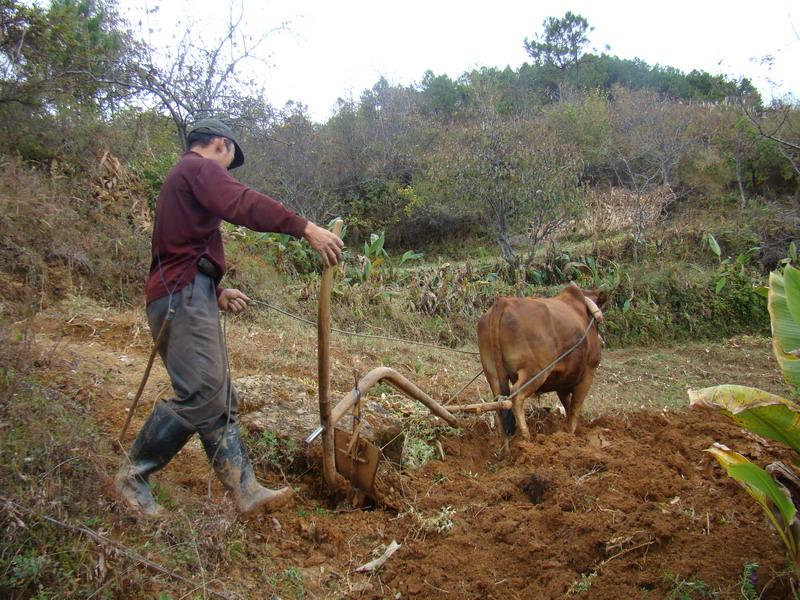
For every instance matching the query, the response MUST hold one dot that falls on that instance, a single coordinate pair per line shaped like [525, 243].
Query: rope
[453, 397]
[459, 392]
[365, 335]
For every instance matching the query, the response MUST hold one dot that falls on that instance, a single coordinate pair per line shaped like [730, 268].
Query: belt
[206, 267]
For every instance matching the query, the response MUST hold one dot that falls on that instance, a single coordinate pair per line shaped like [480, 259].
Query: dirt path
[630, 507]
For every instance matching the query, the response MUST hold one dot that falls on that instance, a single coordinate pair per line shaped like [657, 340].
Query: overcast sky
[339, 48]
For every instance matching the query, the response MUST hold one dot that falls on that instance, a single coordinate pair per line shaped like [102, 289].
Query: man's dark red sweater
[197, 195]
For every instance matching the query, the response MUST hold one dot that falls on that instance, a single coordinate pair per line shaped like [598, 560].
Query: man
[188, 262]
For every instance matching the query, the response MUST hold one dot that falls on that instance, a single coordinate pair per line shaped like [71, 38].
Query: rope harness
[597, 316]
[364, 335]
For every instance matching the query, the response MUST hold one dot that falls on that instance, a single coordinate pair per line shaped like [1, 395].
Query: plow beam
[397, 381]
[480, 407]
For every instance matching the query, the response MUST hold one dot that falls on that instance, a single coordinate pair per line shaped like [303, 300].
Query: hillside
[613, 510]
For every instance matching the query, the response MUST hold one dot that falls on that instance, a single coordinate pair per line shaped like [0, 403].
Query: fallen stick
[156, 345]
[376, 564]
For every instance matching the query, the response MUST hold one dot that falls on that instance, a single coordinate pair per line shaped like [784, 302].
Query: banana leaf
[766, 414]
[784, 304]
[774, 499]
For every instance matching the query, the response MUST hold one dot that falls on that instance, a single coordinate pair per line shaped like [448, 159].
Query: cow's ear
[602, 299]
[598, 295]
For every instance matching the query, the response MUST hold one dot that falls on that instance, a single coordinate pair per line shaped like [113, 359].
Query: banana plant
[784, 311]
[769, 491]
[776, 488]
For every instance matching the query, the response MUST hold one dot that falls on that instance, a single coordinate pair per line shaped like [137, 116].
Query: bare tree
[515, 173]
[196, 80]
[649, 138]
[197, 77]
[781, 124]
[294, 172]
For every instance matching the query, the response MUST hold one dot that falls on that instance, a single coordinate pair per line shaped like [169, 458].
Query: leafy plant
[372, 258]
[441, 522]
[420, 443]
[410, 255]
[289, 255]
[791, 255]
[776, 489]
[365, 267]
[748, 582]
[582, 585]
[291, 578]
[595, 275]
[729, 266]
[277, 453]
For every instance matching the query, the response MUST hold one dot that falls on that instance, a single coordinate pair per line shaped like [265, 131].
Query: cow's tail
[506, 415]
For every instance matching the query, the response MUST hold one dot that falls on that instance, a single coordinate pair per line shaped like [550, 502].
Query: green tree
[51, 102]
[560, 45]
[584, 124]
[779, 124]
[441, 96]
[738, 139]
[52, 56]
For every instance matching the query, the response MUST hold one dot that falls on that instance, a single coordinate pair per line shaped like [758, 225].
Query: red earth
[629, 507]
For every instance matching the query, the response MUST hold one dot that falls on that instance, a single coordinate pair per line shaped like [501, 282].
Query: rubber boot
[227, 455]
[161, 437]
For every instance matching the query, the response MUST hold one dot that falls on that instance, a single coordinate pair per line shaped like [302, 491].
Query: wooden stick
[376, 564]
[156, 345]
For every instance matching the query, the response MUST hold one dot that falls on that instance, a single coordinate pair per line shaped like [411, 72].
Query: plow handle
[332, 478]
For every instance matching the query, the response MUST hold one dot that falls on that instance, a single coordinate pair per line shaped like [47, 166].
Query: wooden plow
[350, 461]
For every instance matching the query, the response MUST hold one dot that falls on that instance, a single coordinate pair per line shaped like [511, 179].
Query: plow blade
[357, 464]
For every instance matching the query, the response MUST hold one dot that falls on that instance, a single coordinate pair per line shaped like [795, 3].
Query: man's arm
[239, 204]
[233, 201]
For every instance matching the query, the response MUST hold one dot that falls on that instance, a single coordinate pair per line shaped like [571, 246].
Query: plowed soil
[629, 507]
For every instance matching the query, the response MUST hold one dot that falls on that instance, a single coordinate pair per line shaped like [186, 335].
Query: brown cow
[518, 337]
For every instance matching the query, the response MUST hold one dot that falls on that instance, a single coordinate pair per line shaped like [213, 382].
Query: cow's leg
[518, 401]
[566, 400]
[493, 379]
[578, 396]
[494, 384]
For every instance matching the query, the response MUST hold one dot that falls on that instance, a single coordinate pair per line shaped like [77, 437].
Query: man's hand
[232, 300]
[328, 244]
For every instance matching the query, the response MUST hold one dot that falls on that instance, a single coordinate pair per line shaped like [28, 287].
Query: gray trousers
[193, 352]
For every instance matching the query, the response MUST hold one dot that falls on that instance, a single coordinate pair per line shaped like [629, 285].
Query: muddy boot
[161, 437]
[227, 455]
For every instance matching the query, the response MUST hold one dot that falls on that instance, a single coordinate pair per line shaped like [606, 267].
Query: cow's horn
[596, 312]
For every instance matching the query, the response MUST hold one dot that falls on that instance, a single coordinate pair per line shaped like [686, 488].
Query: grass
[63, 534]
[657, 378]
[289, 580]
[582, 585]
[687, 589]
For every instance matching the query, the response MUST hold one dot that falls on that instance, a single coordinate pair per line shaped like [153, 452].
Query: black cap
[217, 127]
